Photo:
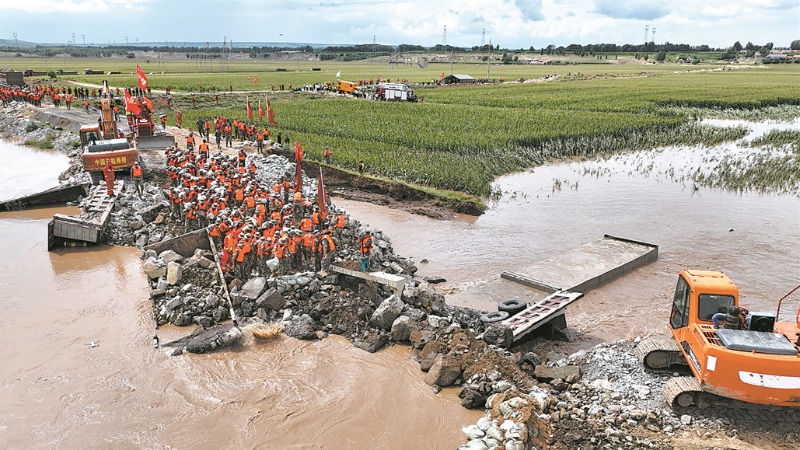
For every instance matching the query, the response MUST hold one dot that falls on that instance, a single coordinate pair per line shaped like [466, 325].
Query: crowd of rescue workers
[254, 224]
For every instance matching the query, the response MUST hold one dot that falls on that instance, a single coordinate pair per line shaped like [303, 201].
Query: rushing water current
[58, 392]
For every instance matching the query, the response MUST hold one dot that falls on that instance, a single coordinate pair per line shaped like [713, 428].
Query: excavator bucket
[159, 142]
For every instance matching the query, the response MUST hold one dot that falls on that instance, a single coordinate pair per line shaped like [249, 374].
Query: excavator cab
[699, 295]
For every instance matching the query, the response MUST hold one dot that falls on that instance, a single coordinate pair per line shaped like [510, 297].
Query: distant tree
[737, 46]
[662, 55]
[795, 45]
[750, 46]
[533, 49]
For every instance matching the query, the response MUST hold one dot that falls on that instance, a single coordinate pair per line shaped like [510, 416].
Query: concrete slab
[394, 282]
[586, 267]
[58, 194]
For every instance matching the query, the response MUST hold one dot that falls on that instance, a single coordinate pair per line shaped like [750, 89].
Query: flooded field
[751, 237]
[56, 391]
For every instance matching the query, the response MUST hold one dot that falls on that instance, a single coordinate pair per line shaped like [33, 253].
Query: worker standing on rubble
[327, 154]
[138, 177]
[108, 173]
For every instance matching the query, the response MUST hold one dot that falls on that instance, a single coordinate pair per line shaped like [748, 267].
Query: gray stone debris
[301, 328]
[386, 313]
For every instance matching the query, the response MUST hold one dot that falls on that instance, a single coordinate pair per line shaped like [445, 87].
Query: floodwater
[753, 238]
[56, 391]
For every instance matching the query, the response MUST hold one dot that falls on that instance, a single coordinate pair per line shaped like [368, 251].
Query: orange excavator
[755, 360]
[101, 142]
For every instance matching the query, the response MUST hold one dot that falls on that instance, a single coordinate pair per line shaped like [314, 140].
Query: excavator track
[686, 395]
[661, 355]
[682, 392]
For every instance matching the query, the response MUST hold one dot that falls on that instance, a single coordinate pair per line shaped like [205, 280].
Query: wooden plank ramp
[540, 313]
[90, 224]
[586, 267]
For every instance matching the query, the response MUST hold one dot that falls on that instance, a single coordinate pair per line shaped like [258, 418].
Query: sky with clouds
[509, 23]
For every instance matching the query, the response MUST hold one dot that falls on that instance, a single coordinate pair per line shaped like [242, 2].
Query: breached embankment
[596, 399]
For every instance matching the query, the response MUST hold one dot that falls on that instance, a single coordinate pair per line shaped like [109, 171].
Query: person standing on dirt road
[86, 105]
[179, 118]
[138, 177]
[108, 173]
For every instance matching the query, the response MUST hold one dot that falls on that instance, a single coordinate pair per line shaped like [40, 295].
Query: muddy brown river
[58, 391]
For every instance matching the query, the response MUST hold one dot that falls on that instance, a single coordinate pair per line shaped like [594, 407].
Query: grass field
[462, 137]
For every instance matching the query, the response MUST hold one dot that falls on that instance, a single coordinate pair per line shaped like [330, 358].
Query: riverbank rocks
[386, 313]
[301, 327]
[444, 371]
[174, 273]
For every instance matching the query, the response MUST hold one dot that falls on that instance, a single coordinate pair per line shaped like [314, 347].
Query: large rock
[174, 273]
[401, 329]
[151, 212]
[570, 374]
[472, 399]
[253, 288]
[200, 260]
[386, 313]
[301, 328]
[153, 269]
[427, 356]
[169, 256]
[444, 372]
[499, 335]
[271, 299]
[371, 342]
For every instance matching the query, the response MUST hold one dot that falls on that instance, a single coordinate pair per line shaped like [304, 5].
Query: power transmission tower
[83, 38]
[646, 28]
[444, 38]
[16, 41]
[654, 35]
[483, 38]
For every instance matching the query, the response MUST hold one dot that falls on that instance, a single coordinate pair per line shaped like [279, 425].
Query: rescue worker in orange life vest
[108, 173]
[138, 177]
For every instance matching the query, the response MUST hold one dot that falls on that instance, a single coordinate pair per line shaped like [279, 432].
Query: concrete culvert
[513, 306]
[493, 317]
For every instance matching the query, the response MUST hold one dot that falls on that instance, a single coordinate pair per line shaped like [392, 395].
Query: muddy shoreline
[596, 399]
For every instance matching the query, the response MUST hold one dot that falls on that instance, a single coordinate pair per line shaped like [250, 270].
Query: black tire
[513, 306]
[494, 317]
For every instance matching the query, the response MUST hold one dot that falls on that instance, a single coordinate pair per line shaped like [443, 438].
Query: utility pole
[489, 60]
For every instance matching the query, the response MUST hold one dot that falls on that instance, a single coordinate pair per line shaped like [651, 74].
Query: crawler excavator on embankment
[754, 366]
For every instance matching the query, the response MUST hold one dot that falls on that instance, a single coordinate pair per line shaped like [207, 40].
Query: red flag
[260, 111]
[141, 78]
[270, 113]
[298, 176]
[249, 110]
[130, 105]
[148, 103]
[298, 152]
